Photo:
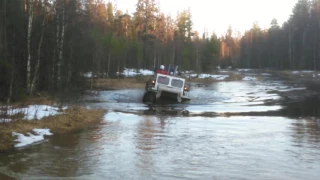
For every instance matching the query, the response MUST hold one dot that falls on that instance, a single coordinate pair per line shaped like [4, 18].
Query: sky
[217, 15]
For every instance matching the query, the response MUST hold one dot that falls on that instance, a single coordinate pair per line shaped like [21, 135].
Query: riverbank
[23, 127]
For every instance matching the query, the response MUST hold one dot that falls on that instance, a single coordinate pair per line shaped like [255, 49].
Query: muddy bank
[72, 119]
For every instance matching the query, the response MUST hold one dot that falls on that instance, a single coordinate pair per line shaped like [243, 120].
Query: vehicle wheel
[148, 98]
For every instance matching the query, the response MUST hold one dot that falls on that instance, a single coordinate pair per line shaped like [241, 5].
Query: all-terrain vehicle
[165, 86]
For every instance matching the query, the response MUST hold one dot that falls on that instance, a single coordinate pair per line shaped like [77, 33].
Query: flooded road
[229, 130]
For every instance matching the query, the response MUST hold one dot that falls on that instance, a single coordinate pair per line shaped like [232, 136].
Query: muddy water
[207, 138]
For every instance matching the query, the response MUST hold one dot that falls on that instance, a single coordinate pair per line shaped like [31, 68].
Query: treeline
[295, 45]
[47, 45]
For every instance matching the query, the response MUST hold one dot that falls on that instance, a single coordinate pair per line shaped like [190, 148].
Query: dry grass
[73, 119]
[42, 98]
[121, 83]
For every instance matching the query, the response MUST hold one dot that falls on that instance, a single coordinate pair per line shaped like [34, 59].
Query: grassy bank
[119, 83]
[72, 119]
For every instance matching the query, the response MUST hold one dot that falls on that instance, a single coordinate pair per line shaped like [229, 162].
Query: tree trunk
[154, 58]
[290, 49]
[30, 14]
[303, 61]
[318, 15]
[60, 59]
[39, 55]
[108, 64]
[314, 56]
[12, 71]
[173, 55]
[56, 49]
[70, 64]
[5, 30]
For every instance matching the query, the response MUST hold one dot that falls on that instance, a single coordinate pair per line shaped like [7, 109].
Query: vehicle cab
[168, 87]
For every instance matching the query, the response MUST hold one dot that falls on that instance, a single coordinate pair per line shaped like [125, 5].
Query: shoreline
[70, 120]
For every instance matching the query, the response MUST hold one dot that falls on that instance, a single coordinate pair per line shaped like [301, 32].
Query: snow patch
[134, 72]
[220, 77]
[192, 75]
[213, 76]
[36, 136]
[88, 75]
[249, 78]
[300, 72]
[34, 112]
[244, 70]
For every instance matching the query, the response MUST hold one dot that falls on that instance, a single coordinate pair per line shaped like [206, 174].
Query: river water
[229, 130]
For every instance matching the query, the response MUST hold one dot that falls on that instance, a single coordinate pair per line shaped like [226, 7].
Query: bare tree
[60, 58]
[30, 19]
[39, 54]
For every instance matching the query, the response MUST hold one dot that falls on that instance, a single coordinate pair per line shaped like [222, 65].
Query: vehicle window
[177, 83]
[163, 80]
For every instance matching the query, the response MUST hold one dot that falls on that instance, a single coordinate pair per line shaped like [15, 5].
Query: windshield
[177, 83]
[163, 80]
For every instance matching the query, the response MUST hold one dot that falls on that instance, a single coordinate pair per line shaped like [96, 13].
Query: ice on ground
[299, 72]
[134, 72]
[213, 76]
[35, 112]
[192, 75]
[249, 78]
[88, 75]
[36, 136]
[145, 72]
[244, 70]
[204, 76]
[219, 77]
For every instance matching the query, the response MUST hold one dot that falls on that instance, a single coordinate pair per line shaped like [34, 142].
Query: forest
[47, 45]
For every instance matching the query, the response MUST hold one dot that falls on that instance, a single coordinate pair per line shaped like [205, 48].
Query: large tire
[149, 98]
[147, 84]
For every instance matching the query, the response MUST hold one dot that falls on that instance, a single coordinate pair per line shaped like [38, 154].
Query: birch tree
[35, 75]
[30, 19]
[60, 46]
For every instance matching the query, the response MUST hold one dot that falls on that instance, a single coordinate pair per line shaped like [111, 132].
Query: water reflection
[307, 131]
[303, 107]
[132, 146]
[196, 140]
